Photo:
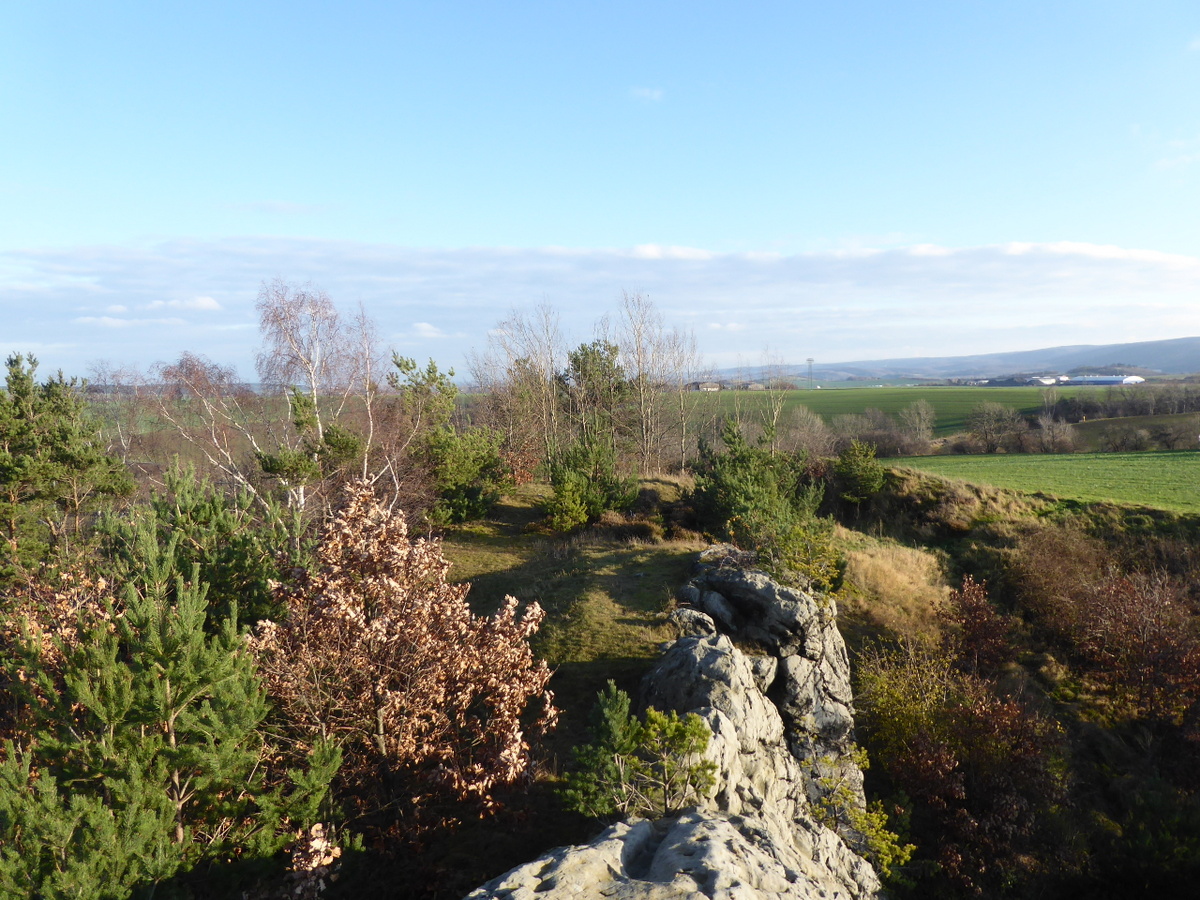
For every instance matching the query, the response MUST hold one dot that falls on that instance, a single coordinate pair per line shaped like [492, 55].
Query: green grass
[1167, 480]
[606, 600]
[952, 404]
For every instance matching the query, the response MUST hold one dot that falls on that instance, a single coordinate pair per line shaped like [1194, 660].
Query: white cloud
[207, 304]
[656, 251]
[116, 309]
[1177, 162]
[646, 94]
[834, 305]
[1170, 154]
[110, 322]
[1100, 251]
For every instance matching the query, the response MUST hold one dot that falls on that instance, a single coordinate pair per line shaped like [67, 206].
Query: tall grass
[891, 591]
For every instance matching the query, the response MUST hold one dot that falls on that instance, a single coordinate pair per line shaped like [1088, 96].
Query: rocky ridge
[765, 667]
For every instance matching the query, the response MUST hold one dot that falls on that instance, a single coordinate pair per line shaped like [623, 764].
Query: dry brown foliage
[978, 637]
[381, 653]
[1135, 634]
[41, 621]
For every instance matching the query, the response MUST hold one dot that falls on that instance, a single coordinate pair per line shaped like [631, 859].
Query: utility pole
[810, 362]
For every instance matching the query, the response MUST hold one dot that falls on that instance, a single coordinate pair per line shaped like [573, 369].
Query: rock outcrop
[766, 668]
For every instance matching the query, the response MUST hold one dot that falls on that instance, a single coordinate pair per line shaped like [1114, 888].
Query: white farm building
[1106, 379]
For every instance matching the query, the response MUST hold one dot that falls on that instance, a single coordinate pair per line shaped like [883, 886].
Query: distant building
[704, 386]
[1106, 379]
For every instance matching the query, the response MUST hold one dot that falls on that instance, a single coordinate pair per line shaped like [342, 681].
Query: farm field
[952, 404]
[1164, 480]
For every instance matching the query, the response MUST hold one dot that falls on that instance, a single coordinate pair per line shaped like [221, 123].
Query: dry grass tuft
[891, 591]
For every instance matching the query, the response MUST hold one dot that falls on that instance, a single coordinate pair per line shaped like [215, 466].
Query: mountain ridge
[1174, 356]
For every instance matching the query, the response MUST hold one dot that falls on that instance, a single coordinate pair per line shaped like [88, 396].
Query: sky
[842, 181]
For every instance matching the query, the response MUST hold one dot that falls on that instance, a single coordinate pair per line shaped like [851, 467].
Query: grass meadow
[1164, 479]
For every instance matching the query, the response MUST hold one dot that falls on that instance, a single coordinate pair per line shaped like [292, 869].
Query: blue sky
[843, 181]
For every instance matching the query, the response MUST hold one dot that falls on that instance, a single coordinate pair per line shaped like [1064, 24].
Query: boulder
[697, 855]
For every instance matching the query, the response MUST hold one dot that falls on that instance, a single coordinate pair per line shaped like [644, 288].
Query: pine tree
[144, 759]
[651, 767]
[860, 475]
[53, 466]
[233, 540]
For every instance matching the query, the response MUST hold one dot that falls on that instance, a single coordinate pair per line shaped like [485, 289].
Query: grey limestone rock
[694, 856]
[692, 622]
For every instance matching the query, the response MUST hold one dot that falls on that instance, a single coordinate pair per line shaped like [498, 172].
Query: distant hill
[1178, 356]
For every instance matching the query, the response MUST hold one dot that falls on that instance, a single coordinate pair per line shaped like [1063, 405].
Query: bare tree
[686, 370]
[917, 419]
[993, 424]
[1055, 435]
[306, 348]
[518, 372]
[645, 353]
[805, 431]
[775, 386]
[115, 395]
[369, 363]
[214, 413]
[325, 368]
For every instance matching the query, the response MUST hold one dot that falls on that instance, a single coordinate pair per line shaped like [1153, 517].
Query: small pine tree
[586, 484]
[142, 757]
[860, 475]
[593, 787]
[468, 470]
[653, 767]
[232, 541]
[53, 466]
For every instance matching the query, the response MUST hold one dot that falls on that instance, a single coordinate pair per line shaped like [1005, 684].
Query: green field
[952, 404]
[1164, 480]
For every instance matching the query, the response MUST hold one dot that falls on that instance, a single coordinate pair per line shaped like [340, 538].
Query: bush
[586, 485]
[982, 770]
[977, 640]
[761, 502]
[469, 473]
[381, 653]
